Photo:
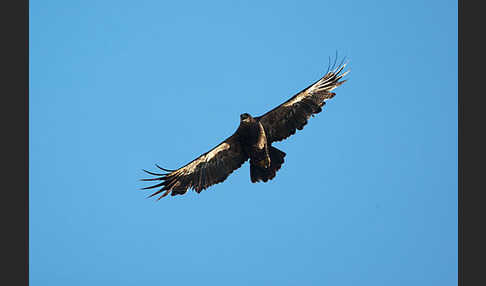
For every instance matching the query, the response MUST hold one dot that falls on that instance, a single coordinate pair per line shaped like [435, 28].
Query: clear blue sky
[368, 192]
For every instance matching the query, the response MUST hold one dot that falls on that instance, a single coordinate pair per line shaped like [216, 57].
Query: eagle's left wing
[208, 169]
[282, 121]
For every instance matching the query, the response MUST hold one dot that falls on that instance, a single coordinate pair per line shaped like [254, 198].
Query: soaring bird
[252, 140]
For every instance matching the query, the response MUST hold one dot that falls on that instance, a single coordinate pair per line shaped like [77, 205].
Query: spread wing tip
[159, 177]
[331, 79]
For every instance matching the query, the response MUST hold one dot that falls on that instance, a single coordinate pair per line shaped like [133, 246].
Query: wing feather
[282, 121]
[208, 169]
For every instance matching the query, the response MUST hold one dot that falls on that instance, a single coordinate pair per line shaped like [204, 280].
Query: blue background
[368, 193]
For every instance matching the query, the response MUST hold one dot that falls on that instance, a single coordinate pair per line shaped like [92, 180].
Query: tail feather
[258, 173]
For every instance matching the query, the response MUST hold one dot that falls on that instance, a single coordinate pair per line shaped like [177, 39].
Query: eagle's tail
[258, 173]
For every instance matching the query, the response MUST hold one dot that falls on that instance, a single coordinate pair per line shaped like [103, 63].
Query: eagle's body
[252, 140]
[265, 160]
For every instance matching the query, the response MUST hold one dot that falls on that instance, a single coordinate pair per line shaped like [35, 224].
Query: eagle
[252, 140]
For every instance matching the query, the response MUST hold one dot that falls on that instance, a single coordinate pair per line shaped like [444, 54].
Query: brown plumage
[252, 140]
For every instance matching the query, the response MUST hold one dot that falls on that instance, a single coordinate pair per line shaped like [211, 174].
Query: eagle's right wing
[282, 121]
[208, 169]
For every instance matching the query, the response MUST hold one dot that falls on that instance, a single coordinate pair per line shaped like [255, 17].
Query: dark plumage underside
[281, 122]
[292, 115]
[208, 169]
[258, 173]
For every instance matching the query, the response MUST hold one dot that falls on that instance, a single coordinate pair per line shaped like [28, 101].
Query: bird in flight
[252, 140]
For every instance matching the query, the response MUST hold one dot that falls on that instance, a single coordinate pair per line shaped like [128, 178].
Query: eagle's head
[245, 117]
